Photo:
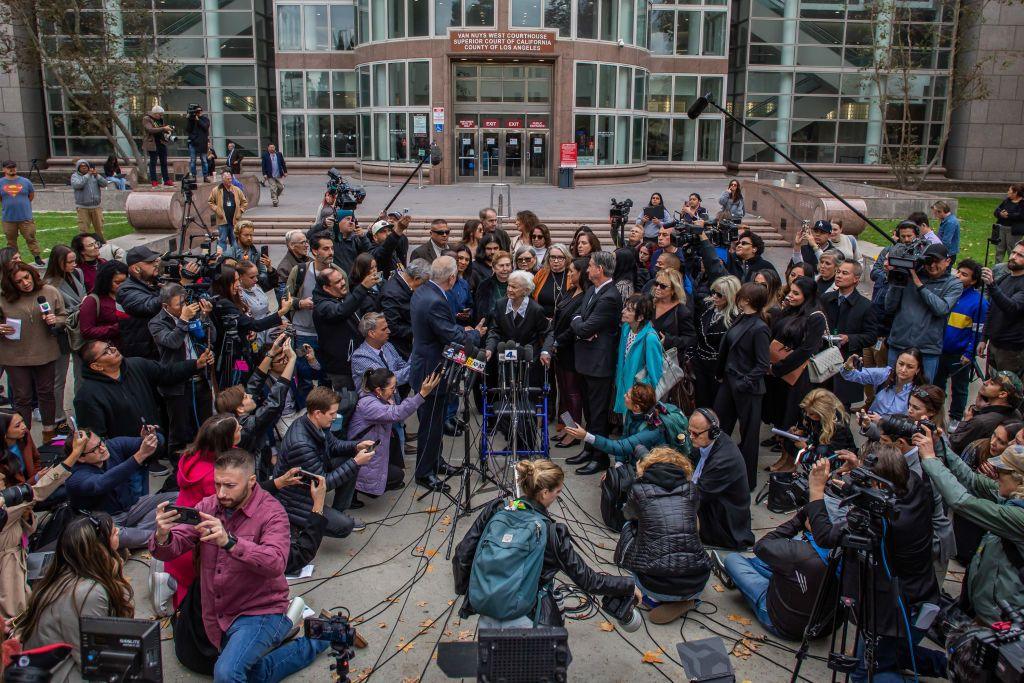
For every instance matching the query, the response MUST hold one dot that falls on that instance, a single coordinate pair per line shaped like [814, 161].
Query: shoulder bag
[825, 363]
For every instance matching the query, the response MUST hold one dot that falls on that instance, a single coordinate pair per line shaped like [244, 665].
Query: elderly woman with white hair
[550, 279]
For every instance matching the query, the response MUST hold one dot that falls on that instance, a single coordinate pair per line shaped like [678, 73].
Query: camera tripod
[188, 218]
[858, 548]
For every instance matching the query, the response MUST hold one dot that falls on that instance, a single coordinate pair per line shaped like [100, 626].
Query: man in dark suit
[720, 475]
[274, 169]
[234, 159]
[852, 317]
[437, 243]
[395, 302]
[596, 327]
[433, 328]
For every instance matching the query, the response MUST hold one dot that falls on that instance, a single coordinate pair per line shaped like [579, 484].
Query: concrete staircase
[271, 228]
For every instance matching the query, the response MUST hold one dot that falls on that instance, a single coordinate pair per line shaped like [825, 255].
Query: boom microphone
[698, 106]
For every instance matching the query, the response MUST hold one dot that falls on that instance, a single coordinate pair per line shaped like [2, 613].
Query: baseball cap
[822, 226]
[157, 109]
[141, 254]
[380, 225]
[1011, 460]
[9, 164]
[1010, 382]
[936, 250]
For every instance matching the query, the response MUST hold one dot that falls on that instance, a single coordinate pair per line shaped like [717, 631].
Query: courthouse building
[507, 87]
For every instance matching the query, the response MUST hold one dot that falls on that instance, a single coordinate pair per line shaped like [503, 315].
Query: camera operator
[541, 482]
[996, 571]
[244, 249]
[139, 297]
[723, 497]
[692, 212]
[395, 298]
[242, 558]
[197, 127]
[745, 260]
[228, 203]
[1003, 340]
[154, 143]
[181, 331]
[1010, 217]
[998, 399]
[348, 244]
[921, 307]
[388, 237]
[812, 242]
[106, 477]
[86, 182]
[336, 318]
[311, 445]
[852, 318]
[877, 355]
[904, 580]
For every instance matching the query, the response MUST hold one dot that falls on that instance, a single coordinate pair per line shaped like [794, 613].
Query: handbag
[777, 351]
[72, 325]
[825, 364]
[671, 373]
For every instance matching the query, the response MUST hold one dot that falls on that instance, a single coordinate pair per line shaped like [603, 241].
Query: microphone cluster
[460, 359]
[514, 364]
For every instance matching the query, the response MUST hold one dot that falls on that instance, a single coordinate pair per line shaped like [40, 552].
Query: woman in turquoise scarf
[640, 350]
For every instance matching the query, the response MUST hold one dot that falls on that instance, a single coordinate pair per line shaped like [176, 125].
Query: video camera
[866, 501]
[193, 109]
[988, 655]
[904, 259]
[721, 233]
[618, 216]
[188, 185]
[341, 635]
[346, 197]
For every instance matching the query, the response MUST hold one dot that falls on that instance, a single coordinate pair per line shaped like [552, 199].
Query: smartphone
[375, 444]
[73, 423]
[568, 421]
[186, 515]
[307, 477]
[264, 250]
[858, 363]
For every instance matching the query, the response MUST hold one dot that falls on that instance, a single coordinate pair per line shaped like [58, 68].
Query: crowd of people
[256, 389]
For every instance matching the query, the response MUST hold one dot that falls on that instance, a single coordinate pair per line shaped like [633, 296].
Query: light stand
[708, 99]
[188, 219]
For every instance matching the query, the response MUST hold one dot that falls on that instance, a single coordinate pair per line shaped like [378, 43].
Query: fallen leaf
[430, 553]
[432, 509]
[356, 620]
[465, 635]
[434, 656]
[421, 603]
[394, 599]
[382, 624]
[407, 647]
[606, 626]
[430, 568]
[412, 679]
[420, 549]
[739, 620]
[165, 622]
[718, 588]
[451, 602]
[651, 657]
[448, 634]
[446, 520]
[427, 623]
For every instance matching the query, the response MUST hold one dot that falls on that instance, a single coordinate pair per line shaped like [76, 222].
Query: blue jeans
[247, 655]
[225, 236]
[119, 183]
[204, 161]
[892, 655]
[931, 362]
[751, 577]
[304, 374]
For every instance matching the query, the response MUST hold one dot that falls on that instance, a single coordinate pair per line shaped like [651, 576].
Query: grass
[975, 214]
[58, 227]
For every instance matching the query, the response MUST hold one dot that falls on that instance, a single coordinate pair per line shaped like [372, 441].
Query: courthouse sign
[503, 42]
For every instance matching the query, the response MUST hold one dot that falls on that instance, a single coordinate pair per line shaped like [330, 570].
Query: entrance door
[537, 153]
[467, 156]
[513, 170]
[490, 154]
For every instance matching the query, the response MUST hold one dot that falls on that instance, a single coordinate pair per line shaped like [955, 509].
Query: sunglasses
[440, 232]
[717, 295]
[537, 236]
[524, 259]
[661, 285]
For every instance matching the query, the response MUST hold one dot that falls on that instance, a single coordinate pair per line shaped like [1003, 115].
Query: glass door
[537, 169]
[513, 171]
[466, 154]
[490, 154]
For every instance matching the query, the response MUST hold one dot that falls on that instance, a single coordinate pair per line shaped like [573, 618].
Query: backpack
[504, 579]
[674, 425]
[614, 488]
[72, 325]
[348, 400]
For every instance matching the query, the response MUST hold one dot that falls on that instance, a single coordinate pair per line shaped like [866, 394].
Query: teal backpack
[504, 580]
[674, 425]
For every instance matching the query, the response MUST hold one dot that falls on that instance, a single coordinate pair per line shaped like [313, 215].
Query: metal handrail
[505, 189]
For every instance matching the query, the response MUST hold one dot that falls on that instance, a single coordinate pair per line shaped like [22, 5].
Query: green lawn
[58, 227]
[975, 214]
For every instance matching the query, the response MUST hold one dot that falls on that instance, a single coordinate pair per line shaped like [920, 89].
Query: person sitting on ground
[720, 475]
[647, 424]
[780, 583]
[824, 422]
[110, 476]
[659, 544]
[997, 401]
[310, 445]
[541, 483]
[242, 543]
[85, 579]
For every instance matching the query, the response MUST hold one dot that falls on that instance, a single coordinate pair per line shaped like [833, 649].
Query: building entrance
[503, 155]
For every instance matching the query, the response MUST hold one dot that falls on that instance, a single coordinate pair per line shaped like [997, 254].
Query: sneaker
[358, 524]
[275, 203]
[718, 569]
[157, 468]
[162, 587]
[156, 183]
[39, 261]
[36, 417]
[169, 183]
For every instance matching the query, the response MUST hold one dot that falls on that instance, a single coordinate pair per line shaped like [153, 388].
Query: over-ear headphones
[714, 428]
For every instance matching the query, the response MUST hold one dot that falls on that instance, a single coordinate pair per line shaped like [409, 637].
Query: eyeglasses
[741, 243]
[98, 447]
[695, 433]
[440, 232]
[717, 295]
[108, 350]
[537, 236]
[554, 257]
[662, 285]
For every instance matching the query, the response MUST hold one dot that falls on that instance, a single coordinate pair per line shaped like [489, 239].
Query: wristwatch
[232, 540]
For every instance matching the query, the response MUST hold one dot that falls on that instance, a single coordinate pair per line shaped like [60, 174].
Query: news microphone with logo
[45, 309]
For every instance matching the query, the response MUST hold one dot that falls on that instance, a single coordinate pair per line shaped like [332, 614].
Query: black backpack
[46, 534]
[614, 489]
[784, 492]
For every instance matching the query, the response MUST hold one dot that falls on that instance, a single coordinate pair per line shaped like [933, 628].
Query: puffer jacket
[337, 326]
[87, 186]
[559, 556]
[141, 302]
[256, 425]
[660, 543]
[319, 452]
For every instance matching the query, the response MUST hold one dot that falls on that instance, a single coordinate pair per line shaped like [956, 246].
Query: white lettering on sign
[539, 42]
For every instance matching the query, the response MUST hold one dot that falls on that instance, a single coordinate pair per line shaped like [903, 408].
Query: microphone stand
[696, 110]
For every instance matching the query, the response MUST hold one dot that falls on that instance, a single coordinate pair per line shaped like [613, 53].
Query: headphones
[714, 428]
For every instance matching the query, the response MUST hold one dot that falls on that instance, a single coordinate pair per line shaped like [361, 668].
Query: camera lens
[16, 495]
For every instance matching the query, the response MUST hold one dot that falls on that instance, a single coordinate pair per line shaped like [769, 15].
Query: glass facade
[689, 30]
[671, 135]
[315, 27]
[609, 124]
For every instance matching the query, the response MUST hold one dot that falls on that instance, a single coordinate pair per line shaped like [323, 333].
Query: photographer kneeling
[996, 571]
[903, 578]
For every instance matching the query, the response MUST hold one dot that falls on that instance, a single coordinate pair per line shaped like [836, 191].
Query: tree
[102, 56]
[912, 52]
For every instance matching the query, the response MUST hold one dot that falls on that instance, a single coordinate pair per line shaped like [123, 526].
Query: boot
[48, 434]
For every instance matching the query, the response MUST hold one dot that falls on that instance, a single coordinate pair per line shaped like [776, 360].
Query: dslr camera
[16, 495]
[903, 427]
[347, 197]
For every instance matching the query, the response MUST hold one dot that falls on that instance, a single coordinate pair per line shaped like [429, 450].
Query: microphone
[44, 308]
[435, 155]
[699, 105]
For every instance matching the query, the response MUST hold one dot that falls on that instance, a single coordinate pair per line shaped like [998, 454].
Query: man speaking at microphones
[433, 328]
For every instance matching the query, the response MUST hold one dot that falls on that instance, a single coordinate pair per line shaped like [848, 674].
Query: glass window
[641, 23]
[814, 108]
[586, 85]
[465, 90]
[293, 135]
[419, 83]
[813, 131]
[446, 13]
[229, 23]
[683, 131]
[639, 90]
[343, 27]
[609, 19]
[687, 33]
[660, 97]
[314, 27]
[179, 23]
[380, 85]
[490, 91]
[379, 19]
[709, 147]
[365, 137]
[345, 90]
[658, 139]
[364, 22]
[396, 18]
[513, 91]
[364, 86]
[346, 135]
[714, 33]
[639, 127]
[525, 13]
[623, 91]
[318, 89]
[663, 32]
[480, 13]
[289, 27]
[626, 21]
[763, 81]
[586, 19]
[605, 140]
[558, 15]
[538, 91]
[606, 93]
[399, 136]
[621, 139]
[318, 135]
[237, 75]
[584, 134]
[291, 90]
[684, 93]
[712, 84]
[396, 84]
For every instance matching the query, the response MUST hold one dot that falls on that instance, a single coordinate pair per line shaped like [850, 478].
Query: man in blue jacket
[110, 476]
[274, 169]
[958, 341]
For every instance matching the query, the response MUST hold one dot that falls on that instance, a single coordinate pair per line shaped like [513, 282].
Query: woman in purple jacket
[376, 414]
